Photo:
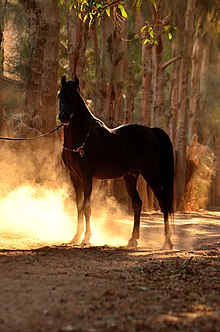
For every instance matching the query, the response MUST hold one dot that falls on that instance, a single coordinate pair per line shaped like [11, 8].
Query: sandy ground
[60, 288]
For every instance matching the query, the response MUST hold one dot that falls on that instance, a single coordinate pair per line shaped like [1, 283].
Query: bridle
[81, 148]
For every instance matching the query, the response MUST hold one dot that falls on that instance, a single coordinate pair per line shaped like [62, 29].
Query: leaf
[60, 2]
[153, 2]
[98, 5]
[170, 35]
[166, 27]
[143, 28]
[108, 11]
[123, 11]
[138, 4]
[85, 18]
[147, 40]
[151, 32]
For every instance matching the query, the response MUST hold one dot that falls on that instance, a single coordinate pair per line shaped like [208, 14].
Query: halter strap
[80, 149]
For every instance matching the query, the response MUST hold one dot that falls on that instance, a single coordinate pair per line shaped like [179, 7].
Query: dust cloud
[37, 206]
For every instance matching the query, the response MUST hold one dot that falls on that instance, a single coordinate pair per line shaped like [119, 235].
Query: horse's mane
[97, 120]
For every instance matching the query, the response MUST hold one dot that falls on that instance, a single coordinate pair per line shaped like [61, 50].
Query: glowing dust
[33, 216]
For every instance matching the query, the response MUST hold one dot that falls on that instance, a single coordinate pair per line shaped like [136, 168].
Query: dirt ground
[102, 288]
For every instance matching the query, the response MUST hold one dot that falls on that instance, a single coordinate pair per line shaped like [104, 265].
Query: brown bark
[157, 119]
[174, 95]
[11, 47]
[116, 82]
[205, 67]
[129, 96]
[111, 76]
[195, 95]
[1, 101]
[78, 33]
[183, 102]
[50, 65]
[146, 85]
[38, 33]
[102, 88]
[146, 76]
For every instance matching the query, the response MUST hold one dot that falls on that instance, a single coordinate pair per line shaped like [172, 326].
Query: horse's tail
[167, 166]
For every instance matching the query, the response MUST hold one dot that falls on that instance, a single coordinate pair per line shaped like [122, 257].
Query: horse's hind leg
[159, 194]
[167, 243]
[131, 186]
[164, 208]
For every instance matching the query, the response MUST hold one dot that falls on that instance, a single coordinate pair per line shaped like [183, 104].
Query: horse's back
[139, 137]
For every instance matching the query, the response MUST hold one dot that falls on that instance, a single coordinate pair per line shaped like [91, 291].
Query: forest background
[154, 62]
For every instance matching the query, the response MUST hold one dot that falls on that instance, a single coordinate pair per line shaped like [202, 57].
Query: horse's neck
[76, 132]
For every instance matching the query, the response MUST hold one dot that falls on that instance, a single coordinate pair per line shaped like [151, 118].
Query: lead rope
[29, 138]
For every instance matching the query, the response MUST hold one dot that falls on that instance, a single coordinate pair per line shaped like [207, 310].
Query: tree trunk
[11, 48]
[116, 83]
[50, 65]
[157, 119]
[102, 70]
[194, 102]
[146, 85]
[183, 102]
[78, 33]
[38, 33]
[174, 94]
[49, 80]
[1, 101]
[204, 74]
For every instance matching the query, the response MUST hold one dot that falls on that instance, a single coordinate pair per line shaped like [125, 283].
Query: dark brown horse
[91, 149]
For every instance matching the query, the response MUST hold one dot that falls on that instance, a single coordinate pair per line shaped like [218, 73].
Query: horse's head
[69, 99]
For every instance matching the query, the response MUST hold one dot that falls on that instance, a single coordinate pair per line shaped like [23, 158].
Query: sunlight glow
[36, 213]
[34, 216]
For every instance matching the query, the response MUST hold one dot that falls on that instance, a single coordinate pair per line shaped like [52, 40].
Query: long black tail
[167, 168]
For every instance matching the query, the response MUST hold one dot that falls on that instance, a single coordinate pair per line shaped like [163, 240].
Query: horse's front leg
[87, 187]
[131, 186]
[79, 204]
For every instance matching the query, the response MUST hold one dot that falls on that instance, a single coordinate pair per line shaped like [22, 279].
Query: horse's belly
[108, 175]
[111, 170]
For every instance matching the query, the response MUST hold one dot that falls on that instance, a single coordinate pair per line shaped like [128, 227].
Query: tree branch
[169, 62]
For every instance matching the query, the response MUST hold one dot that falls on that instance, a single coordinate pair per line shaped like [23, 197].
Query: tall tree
[183, 101]
[38, 28]
[78, 33]
[1, 101]
[50, 64]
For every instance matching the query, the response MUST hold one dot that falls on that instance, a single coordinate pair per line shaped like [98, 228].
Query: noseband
[67, 124]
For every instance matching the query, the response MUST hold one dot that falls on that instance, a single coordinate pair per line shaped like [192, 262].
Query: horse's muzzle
[65, 120]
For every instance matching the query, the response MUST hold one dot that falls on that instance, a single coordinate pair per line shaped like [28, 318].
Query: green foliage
[169, 29]
[89, 11]
[149, 34]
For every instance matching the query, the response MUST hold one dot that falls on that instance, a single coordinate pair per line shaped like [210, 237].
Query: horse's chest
[71, 160]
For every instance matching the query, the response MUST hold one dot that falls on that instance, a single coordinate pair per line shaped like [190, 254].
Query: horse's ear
[76, 81]
[63, 80]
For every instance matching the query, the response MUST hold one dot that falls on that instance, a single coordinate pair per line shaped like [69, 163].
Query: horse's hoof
[85, 242]
[132, 243]
[167, 245]
[76, 240]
